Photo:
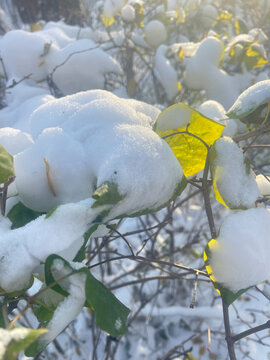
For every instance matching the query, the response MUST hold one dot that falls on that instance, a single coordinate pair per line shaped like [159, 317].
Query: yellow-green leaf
[189, 134]
[107, 20]
[255, 57]
[6, 165]
[12, 342]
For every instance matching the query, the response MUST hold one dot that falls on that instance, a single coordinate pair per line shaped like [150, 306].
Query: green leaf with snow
[21, 215]
[111, 315]
[6, 165]
[233, 180]
[106, 194]
[14, 341]
[256, 97]
[189, 134]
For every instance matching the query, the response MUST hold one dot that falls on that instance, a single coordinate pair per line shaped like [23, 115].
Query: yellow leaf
[237, 27]
[179, 86]
[255, 58]
[189, 134]
[107, 20]
[181, 54]
[225, 15]
[35, 27]
[48, 175]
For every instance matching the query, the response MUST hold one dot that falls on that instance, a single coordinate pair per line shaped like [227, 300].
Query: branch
[229, 338]
[251, 331]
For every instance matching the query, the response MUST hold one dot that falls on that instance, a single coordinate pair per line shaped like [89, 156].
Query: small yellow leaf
[181, 54]
[49, 179]
[225, 15]
[179, 86]
[35, 27]
[107, 20]
[41, 63]
[189, 134]
[237, 27]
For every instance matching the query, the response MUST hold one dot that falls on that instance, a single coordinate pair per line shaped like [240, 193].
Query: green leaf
[111, 315]
[12, 342]
[80, 256]
[197, 133]
[6, 165]
[106, 194]
[227, 295]
[21, 215]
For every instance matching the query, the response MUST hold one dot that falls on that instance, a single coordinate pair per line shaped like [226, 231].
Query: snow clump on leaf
[240, 254]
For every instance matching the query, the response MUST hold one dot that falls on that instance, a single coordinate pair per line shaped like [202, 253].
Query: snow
[202, 72]
[75, 65]
[166, 72]
[128, 13]
[8, 336]
[85, 68]
[216, 111]
[240, 257]
[70, 307]
[155, 33]
[236, 185]
[14, 140]
[69, 130]
[251, 99]
[263, 184]
[22, 250]
[112, 7]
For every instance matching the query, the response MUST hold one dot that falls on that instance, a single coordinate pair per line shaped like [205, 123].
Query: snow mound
[85, 140]
[232, 176]
[240, 257]
[155, 33]
[251, 99]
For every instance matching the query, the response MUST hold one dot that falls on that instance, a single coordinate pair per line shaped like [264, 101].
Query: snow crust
[240, 258]
[237, 187]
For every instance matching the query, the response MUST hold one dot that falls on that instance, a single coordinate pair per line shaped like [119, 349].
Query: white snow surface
[166, 72]
[237, 187]
[9, 336]
[75, 64]
[84, 140]
[251, 98]
[70, 307]
[240, 258]
[202, 72]
[263, 183]
[22, 250]
[155, 33]
[128, 13]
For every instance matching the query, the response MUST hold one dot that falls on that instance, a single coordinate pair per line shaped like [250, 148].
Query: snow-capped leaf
[227, 295]
[233, 180]
[255, 56]
[6, 165]
[106, 194]
[12, 342]
[188, 133]
[250, 100]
